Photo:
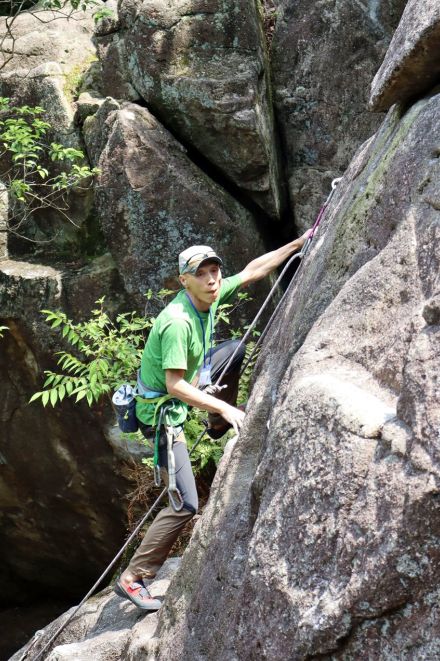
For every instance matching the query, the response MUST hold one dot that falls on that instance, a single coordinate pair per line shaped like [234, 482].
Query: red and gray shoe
[138, 594]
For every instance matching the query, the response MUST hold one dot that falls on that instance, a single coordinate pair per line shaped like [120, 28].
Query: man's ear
[182, 280]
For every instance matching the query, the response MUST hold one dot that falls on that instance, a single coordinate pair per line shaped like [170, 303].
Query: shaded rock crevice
[175, 202]
[316, 50]
[272, 234]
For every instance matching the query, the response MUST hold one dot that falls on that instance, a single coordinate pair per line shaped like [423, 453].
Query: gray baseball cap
[193, 257]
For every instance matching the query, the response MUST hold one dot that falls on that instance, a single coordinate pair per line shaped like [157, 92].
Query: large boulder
[153, 201]
[412, 63]
[323, 540]
[34, 38]
[62, 489]
[324, 56]
[203, 71]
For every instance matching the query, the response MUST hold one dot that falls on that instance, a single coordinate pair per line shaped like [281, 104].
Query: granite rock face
[328, 519]
[412, 64]
[203, 71]
[324, 56]
[153, 201]
[46, 36]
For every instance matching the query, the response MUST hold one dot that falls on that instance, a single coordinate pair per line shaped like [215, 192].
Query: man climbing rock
[180, 360]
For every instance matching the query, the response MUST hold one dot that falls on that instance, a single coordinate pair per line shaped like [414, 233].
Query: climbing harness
[162, 404]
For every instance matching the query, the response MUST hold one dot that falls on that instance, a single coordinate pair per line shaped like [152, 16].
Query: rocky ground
[106, 627]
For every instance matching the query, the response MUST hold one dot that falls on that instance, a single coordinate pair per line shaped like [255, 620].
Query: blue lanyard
[203, 331]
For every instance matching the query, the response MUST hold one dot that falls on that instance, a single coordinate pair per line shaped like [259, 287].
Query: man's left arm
[261, 266]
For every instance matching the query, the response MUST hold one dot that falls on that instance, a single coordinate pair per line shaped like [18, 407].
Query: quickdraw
[174, 494]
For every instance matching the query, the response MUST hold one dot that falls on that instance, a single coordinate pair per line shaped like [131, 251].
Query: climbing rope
[299, 255]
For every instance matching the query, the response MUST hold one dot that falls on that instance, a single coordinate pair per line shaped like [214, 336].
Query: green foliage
[74, 78]
[13, 8]
[30, 182]
[78, 5]
[23, 141]
[103, 13]
[206, 453]
[225, 311]
[82, 5]
[245, 381]
[108, 353]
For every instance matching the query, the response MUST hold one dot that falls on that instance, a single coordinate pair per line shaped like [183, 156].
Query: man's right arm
[178, 387]
[261, 266]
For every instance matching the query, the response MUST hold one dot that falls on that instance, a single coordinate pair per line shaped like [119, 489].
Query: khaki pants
[163, 532]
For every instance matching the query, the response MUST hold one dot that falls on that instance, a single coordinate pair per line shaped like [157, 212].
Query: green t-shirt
[175, 342]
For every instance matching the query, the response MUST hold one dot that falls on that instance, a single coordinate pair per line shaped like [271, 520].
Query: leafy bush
[108, 354]
[28, 179]
[24, 149]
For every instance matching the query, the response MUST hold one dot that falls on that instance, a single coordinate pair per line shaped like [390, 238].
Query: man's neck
[199, 305]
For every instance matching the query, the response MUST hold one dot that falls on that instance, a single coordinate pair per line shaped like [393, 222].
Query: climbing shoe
[138, 594]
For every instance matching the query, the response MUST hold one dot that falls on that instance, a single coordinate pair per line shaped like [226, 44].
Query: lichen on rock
[324, 55]
[412, 64]
[338, 525]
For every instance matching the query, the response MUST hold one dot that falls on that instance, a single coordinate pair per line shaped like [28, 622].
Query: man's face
[204, 285]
